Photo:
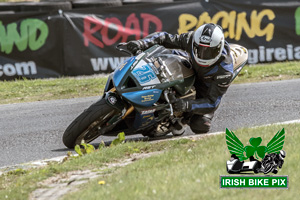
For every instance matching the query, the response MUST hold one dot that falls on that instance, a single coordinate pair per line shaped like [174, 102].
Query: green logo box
[260, 182]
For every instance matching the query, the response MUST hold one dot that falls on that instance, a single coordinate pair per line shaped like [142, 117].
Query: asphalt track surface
[33, 131]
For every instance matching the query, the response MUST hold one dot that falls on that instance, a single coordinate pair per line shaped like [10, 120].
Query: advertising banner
[90, 39]
[31, 46]
[82, 42]
[270, 30]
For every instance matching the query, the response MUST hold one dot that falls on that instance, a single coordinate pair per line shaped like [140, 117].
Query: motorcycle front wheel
[89, 125]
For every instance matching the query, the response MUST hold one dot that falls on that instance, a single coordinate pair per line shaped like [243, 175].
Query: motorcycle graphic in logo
[272, 155]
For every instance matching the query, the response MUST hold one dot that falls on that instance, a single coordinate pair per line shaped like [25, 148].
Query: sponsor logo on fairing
[148, 87]
[144, 112]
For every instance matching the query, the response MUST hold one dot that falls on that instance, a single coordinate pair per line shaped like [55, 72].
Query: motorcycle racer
[209, 55]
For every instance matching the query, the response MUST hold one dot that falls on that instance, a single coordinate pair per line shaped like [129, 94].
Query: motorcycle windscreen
[171, 68]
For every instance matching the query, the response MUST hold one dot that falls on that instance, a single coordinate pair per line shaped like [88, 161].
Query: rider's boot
[178, 128]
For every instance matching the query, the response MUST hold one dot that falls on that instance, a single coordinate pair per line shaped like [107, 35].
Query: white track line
[221, 132]
[39, 163]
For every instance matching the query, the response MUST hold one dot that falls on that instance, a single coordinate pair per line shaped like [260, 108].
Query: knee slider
[200, 124]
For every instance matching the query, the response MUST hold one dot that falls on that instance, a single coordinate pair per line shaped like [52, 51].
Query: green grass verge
[46, 89]
[191, 171]
[186, 169]
[269, 72]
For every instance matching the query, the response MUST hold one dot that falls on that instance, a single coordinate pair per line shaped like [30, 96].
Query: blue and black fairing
[132, 80]
[121, 71]
[109, 83]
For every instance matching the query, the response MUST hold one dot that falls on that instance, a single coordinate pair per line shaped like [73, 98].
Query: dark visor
[206, 52]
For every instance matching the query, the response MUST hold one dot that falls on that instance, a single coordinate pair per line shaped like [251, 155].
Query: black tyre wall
[130, 2]
[95, 3]
[46, 6]
[34, 6]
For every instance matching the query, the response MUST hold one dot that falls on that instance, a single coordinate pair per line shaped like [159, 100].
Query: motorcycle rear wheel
[89, 125]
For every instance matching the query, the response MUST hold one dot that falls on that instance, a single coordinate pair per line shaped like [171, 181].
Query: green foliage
[17, 172]
[84, 148]
[183, 141]
[78, 150]
[87, 148]
[101, 145]
[133, 150]
[120, 139]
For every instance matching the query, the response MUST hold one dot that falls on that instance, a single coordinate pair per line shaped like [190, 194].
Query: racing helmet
[208, 43]
[282, 154]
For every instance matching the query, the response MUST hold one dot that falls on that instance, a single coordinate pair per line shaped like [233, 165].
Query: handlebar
[123, 48]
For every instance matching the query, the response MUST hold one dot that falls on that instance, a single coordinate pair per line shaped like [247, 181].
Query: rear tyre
[89, 125]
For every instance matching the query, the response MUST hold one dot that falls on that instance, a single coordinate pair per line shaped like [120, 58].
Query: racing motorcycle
[137, 96]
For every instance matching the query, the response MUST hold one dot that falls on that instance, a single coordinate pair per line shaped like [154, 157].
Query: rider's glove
[134, 46]
[181, 105]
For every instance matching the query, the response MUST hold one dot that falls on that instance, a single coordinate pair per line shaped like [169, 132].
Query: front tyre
[89, 125]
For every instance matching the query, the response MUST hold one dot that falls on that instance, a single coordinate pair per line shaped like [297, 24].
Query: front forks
[117, 103]
[166, 92]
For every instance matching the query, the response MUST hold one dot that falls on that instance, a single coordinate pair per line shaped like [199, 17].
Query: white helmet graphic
[282, 154]
[208, 43]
